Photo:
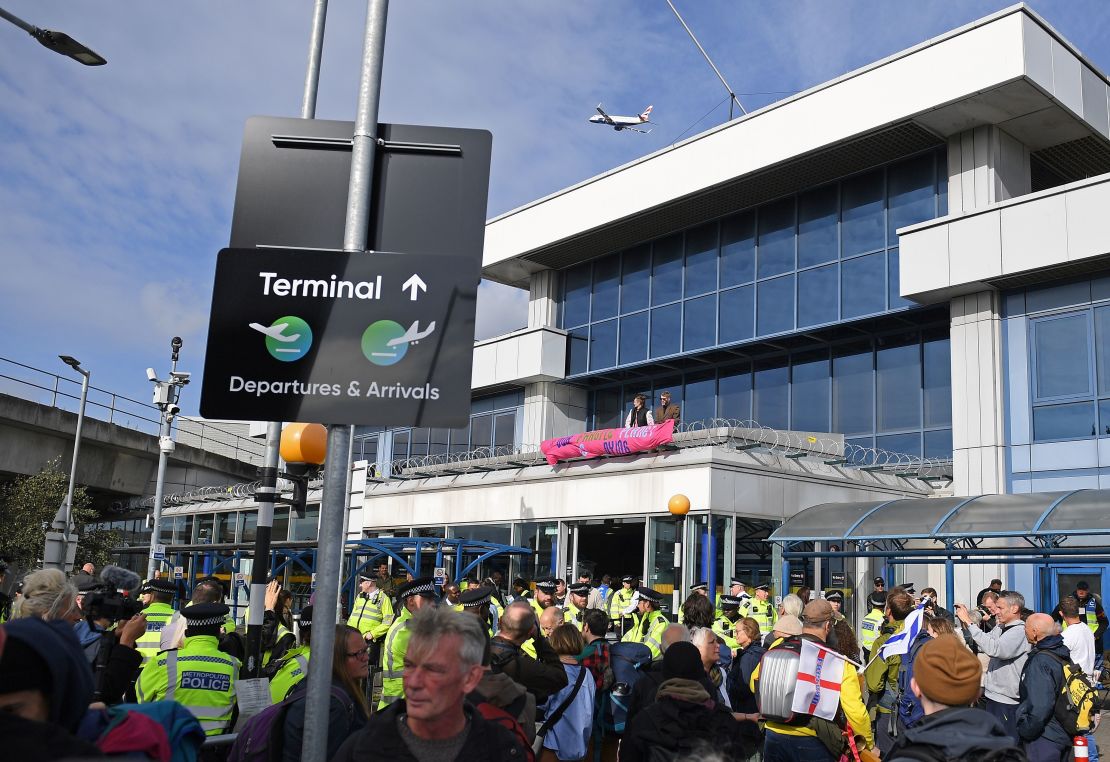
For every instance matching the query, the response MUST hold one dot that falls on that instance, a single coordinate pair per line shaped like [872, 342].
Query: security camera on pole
[166, 395]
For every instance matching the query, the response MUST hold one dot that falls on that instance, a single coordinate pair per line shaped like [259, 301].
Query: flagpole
[839, 655]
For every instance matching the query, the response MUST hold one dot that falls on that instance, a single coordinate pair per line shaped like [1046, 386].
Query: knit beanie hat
[947, 672]
[683, 660]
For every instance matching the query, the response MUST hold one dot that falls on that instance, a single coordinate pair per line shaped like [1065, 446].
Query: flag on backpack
[899, 643]
[820, 674]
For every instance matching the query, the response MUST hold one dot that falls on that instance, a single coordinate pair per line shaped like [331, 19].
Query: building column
[985, 165]
[978, 425]
[543, 299]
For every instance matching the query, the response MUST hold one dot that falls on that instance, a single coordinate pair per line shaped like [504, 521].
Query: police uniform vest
[393, 659]
[574, 615]
[870, 628]
[649, 631]
[149, 643]
[763, 613]
[745, 604]
[199, 676]
[281, 632]
[292, 668]
[372, 616]
[1090, 615]
[725, 629]
[620, 601]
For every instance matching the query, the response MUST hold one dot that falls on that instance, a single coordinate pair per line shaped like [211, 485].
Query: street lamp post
[61, 547]
[679, 506]
[59, 42]
[166, 394]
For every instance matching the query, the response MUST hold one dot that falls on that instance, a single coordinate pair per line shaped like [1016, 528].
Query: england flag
[899, 643]
[820, 673]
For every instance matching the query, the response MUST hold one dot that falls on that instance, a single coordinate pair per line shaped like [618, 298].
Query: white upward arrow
[414, 284]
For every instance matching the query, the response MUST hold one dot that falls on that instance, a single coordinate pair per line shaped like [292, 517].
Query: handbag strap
[557, 715]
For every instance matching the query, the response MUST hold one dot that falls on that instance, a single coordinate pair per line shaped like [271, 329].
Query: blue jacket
[1042, 679]
[571, 734]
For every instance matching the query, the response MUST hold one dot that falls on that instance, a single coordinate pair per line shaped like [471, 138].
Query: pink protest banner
[595, 444]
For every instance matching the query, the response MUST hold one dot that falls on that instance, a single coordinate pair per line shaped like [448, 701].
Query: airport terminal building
[893, 285]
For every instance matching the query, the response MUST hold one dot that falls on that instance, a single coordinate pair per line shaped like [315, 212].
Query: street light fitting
[74, 363]
[59, 42]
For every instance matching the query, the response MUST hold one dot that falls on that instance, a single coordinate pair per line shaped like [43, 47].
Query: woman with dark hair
[804, 593]
[348, 711]
[697, 611]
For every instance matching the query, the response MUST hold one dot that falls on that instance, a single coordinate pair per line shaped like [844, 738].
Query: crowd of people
[105, 665]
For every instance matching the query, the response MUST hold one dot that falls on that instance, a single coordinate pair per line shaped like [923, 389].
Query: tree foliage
[28, 506]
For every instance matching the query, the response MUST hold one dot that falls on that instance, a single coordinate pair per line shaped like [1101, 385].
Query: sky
[117, 182]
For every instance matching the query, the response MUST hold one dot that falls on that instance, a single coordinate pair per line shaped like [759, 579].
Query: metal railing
[46, 388]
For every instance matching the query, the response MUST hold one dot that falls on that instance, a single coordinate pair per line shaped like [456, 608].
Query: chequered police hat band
[206, 622]
[427, 587]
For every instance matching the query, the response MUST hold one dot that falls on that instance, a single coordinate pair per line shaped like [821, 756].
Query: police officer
[652, 622]
[724, 626]
[836, 600]
[619, 603]
[1091, 613]
[578, 595]
[157, 597]
[412, 596]
[545, 594]
[739, 590]
[761, 609]
[198, 675]
[478, 601]
[372, 615]
[872, 624]
[293, 666]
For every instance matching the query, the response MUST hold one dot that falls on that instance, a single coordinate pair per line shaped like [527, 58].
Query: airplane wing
[275, 331]
[642, 132]
[608, 119]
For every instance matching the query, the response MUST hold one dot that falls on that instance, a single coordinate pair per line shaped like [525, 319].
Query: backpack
[262, 737]
[1078, 702]
[774, 689]
[926, 752]
[907, 705]
[627, 661]
[498, 715]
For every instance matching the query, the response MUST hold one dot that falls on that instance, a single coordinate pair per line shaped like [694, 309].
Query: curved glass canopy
[1039, 514]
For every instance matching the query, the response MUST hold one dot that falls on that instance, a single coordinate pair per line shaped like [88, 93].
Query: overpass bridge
[119, 443]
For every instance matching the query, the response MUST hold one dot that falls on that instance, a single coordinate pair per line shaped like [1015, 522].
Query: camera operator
[929, 601]
[112, 624]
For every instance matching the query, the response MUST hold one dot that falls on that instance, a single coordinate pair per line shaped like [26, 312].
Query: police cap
[764, 586]
[647, 594]
[700, 587]
[474, 597]
[877, 600]
[627, 578]
[205, 614]
[730, 602]
[425, 586]
[547, 584]
[834, 595]
[158, 585]
[305, 619]
[579, 588]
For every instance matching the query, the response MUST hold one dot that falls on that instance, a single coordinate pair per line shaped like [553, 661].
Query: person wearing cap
[619, 603]
[789, 742]
[761, 609]
[739, 590]
[946, 681]
[1092, 614]
[724, 626]
[651, 624]
[198, 675]
[882, 674]
[836, 600]
[578, 596]
[478, 601]
[545, 594]
[412, 596]
[292, 668]
[372, 615]
[872, 623]
[157, 596]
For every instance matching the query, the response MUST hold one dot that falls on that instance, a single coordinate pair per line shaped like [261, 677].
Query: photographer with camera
[112, 625]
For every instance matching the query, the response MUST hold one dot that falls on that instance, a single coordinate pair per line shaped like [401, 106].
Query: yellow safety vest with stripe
[373, 615]
[870, 628]
[149, 643]
[393, 660]
[650, 633]
[764, 613]
[619, 601]
[293, 669]
[282, 631]
[725, 629]
[575, 616]
[199, 676]
[1089, 610]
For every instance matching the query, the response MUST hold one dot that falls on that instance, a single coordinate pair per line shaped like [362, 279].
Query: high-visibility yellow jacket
[649, 631]
[199, 676]
[870, 628]
[149, 643]
[764, 613]
[393, 659]
[372, 616]
[292, 668]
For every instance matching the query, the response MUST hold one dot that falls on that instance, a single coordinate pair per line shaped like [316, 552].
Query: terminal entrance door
[607, 546]
[1066, 578]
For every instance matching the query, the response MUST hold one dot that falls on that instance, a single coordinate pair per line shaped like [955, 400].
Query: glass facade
[891, 391]
[815, 258]
[1068, 335]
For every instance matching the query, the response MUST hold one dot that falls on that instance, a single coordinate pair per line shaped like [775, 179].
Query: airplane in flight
[619, 123]
[277, 332]
[413, 335]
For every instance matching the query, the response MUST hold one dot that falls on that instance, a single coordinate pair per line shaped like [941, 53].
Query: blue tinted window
[864, 285]
[666, 330]
[634, 338]
[809, 395]
[579, 341]
[701, 259]
[902, 444]
[817, 295]
[898, 380]
[776, 305]
[938, 444]
[607, 409]
[910, 191]
[737, 314]
[603, 345]
[895, 295]
[699, 401]
[737, 249]
[937, 372]
[636, 278]
[776, 237]
[607, 272]
[817, 213]
[699, 323]
[1064, 421]
[861, 227]
[1104, 417]
[1054, 297]
[1102, 348]
[666, 271]
[853, 390]
[734, 394]
[576, 296]
[772, 396]
[1062, 350]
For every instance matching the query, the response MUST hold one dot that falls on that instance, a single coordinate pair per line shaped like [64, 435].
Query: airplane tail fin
[647, 113]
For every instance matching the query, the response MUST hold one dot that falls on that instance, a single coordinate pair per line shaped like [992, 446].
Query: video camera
[107, 602]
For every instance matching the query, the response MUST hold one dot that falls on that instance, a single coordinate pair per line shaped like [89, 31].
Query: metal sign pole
[333, 503]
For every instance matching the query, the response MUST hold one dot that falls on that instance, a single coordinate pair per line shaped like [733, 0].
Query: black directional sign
[344, 338]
